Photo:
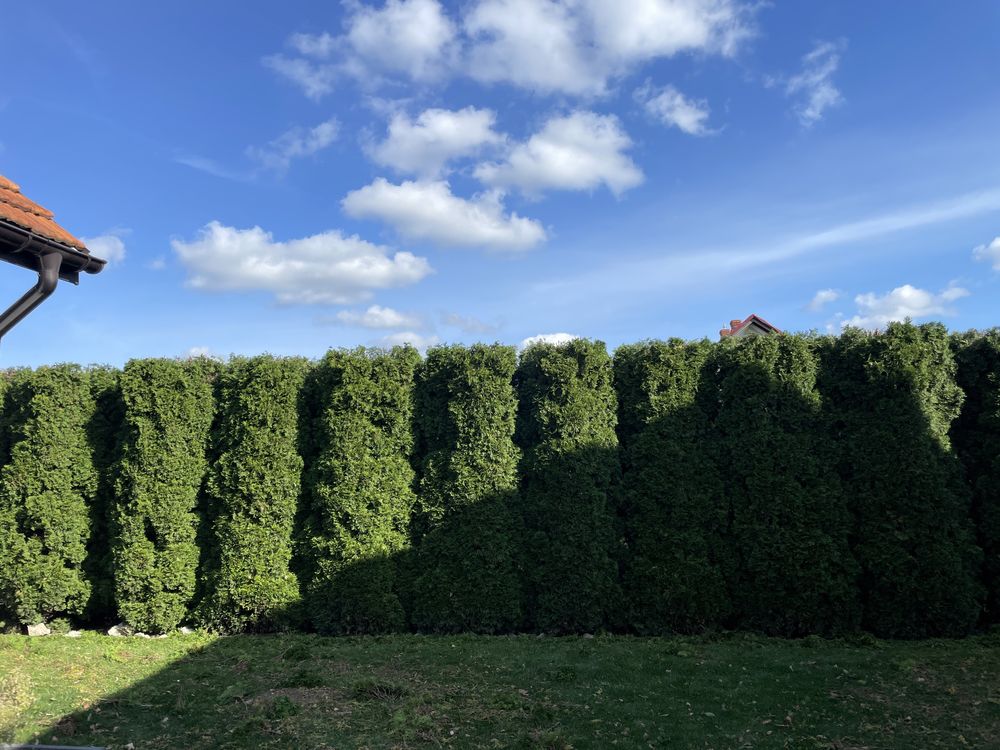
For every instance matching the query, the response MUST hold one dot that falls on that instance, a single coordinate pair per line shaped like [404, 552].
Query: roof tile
[16, 208]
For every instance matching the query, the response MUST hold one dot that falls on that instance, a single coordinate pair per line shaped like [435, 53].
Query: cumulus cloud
[418, 341]
[548, 338]
[412, 38]
[576, 46]
[294, 144]
[813, 86]
[989, 253]
[110, 246]
[672, 108]
[326, 268]
[437, 136]
[579, 151]
[876, 311]
[549, 46]
[377, 316]
[822, 298]
[427, 210]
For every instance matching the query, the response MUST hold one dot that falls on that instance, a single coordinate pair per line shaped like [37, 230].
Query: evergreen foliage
[891, 399]
[673, 505]
[253, 489]
[46, 485]
[361, 490]
[976, 436]
[168, 414]
[789, 521]
[103, 430]
[464, 576]
[566, 429]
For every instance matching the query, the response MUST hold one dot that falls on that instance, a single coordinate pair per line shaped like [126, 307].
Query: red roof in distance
[735, 326]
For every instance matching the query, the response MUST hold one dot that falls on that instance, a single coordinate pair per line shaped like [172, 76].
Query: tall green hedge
[361, 490]
[566, 429]
[891, 398]
[46, 486]
[465, 576]
[168, 414]
[103, 431]
[252, 492]
[674, 507]
[976, 435]
[790, 523]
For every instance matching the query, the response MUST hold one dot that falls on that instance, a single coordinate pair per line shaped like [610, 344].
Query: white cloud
[814, 84]
[157, 264]
[425, 145]
[549, 46]
[326, 268]
[576, 46]
[877, 311]
[108, 246]
[412, 38]
[377, 316]
[548, 338]
[531, 44]
[990, 253]
[671, 107]
[427, 210]
[822, 298]
[579, 151]
[294, 144]
[416, 340]
[315, 79]
[200, 351]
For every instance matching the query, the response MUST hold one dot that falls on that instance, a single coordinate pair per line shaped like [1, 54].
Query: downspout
[48, 278]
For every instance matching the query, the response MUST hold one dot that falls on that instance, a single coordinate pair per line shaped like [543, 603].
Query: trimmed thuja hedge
[251, 495]
[674, 509]
[790, 569]
[47, 486]
[168, 413]
[976, 435]
[890, 400]
[465, 574]
[360, 490]
[782, 484]
[566, 428]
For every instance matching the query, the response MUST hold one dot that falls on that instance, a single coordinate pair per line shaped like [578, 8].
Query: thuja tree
[673, 502]
[789, 518]
[892, 398]
[45, 489]
[168, 414]
[103, 430]
[465, 574]
[360, 491]
[976, 436]
[252, 489]
[566, 430]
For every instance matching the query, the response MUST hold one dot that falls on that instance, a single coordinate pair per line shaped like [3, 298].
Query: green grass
[299, 691]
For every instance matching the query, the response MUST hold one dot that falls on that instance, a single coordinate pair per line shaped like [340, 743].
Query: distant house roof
[754, 325]
[17, 209]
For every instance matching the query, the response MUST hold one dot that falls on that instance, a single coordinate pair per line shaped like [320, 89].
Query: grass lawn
[299, 691]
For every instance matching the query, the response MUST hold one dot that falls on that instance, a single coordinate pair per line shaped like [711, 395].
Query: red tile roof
[736, 325]
[17, 209]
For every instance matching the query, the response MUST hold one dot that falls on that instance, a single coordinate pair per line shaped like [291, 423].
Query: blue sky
[287, 177]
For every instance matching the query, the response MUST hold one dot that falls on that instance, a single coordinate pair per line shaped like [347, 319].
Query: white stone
[184, 630]
[39, 629]
[119, 630]
[73, 633]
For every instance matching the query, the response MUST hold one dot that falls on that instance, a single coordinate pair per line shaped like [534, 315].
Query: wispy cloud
[689, 269]
[813, 86]
[212, 167]
[822, 298]
[989, 253]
